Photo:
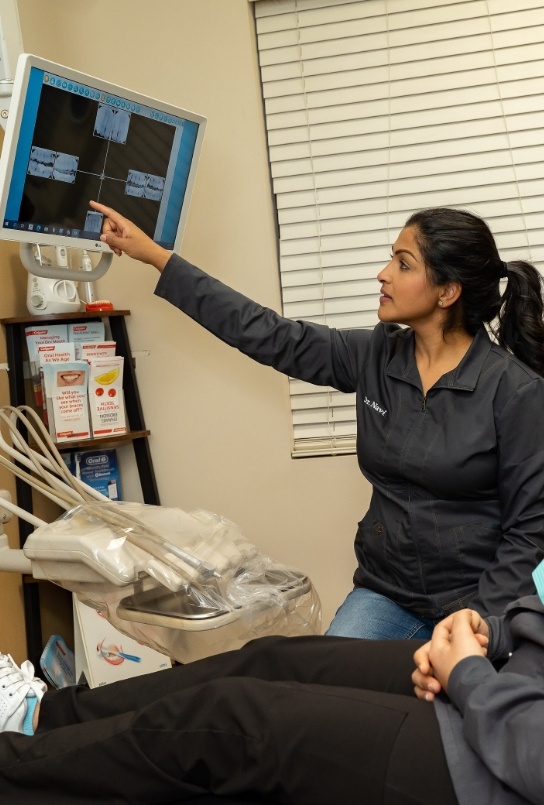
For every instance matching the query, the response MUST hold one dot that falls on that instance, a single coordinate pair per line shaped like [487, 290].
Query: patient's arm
[503, 721]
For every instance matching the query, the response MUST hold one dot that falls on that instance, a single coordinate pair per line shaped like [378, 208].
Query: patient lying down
[311, 720]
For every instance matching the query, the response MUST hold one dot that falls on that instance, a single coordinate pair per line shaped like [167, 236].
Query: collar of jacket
[465, 376]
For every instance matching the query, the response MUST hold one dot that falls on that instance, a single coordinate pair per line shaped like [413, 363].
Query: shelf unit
[137, 435]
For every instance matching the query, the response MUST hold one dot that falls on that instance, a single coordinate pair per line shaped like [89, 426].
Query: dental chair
[187, 584]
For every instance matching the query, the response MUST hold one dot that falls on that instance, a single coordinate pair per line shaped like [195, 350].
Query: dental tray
[178, 610]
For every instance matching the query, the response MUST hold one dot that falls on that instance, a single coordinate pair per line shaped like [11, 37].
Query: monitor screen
[71, 138]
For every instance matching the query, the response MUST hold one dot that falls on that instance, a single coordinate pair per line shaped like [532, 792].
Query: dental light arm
[47, 473]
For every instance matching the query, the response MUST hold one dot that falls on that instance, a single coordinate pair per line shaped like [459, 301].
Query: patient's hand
[460, 635]
[425, 685]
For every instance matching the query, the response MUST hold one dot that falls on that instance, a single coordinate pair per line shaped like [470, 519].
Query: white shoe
[20, 692]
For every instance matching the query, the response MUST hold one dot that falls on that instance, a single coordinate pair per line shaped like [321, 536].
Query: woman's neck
[437, 354]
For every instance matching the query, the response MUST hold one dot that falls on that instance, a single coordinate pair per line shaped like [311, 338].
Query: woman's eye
[403, 266]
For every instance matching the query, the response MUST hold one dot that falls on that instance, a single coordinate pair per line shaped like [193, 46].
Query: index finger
[107, 211]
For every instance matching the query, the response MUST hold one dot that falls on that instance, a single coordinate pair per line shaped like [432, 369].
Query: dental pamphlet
[37, 336]
[86, 331]
[62, 352]
[66, 386]
[85, 350]
[106, 400]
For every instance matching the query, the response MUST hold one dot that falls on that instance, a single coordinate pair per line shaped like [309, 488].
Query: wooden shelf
[82, 315]
[103, 441]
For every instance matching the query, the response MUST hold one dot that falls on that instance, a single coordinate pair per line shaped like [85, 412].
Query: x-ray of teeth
[41, 162]
[93, 222]
[154, 187]
[144, 185]
[112, 124]
[135, 183]
[65, 168]
[49, 164]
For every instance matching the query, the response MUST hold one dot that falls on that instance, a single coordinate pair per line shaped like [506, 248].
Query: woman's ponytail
[520, 326]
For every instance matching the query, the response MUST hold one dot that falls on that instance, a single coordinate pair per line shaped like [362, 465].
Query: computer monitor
[71, 137]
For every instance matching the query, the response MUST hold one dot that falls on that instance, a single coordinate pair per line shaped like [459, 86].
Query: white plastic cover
[186, 584]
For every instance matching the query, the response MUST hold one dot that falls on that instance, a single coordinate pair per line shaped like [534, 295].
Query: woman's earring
[440, 303]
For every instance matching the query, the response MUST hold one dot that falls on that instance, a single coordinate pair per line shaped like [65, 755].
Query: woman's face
[407, 295]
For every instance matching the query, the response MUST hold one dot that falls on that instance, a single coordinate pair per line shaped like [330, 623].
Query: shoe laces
[13, 678]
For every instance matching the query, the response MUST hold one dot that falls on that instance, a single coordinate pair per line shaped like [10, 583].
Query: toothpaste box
[106, 400]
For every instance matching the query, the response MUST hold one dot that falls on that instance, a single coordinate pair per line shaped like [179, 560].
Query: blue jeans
[372, 616]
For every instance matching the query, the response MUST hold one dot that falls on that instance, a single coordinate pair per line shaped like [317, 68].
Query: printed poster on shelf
[103, 654]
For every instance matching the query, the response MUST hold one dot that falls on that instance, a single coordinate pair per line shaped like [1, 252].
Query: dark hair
[458, 246]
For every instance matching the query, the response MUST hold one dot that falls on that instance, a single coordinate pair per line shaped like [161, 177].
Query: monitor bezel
[25, 63]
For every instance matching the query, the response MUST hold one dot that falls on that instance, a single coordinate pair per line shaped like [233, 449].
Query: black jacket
[492, 725]
[457, 511]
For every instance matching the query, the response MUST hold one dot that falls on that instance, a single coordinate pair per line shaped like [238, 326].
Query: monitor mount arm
[29, 255]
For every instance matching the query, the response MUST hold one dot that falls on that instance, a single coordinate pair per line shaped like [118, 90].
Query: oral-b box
[100, 470]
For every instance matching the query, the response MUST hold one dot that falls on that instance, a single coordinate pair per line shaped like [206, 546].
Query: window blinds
[376, 108]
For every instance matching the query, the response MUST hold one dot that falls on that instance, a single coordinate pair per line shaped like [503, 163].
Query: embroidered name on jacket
[375, 406]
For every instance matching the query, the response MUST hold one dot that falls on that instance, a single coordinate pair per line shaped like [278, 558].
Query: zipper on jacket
[424, 404]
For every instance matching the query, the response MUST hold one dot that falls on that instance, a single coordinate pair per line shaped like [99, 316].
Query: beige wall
[220, 424]
[12, 301]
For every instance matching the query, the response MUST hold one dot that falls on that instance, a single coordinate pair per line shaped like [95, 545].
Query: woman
[299, 721]
[450, 425]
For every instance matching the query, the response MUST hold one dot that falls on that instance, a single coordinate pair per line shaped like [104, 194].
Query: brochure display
[86, 362]
[134, 442]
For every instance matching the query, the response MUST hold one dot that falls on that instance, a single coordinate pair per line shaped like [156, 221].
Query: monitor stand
[30, 255]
